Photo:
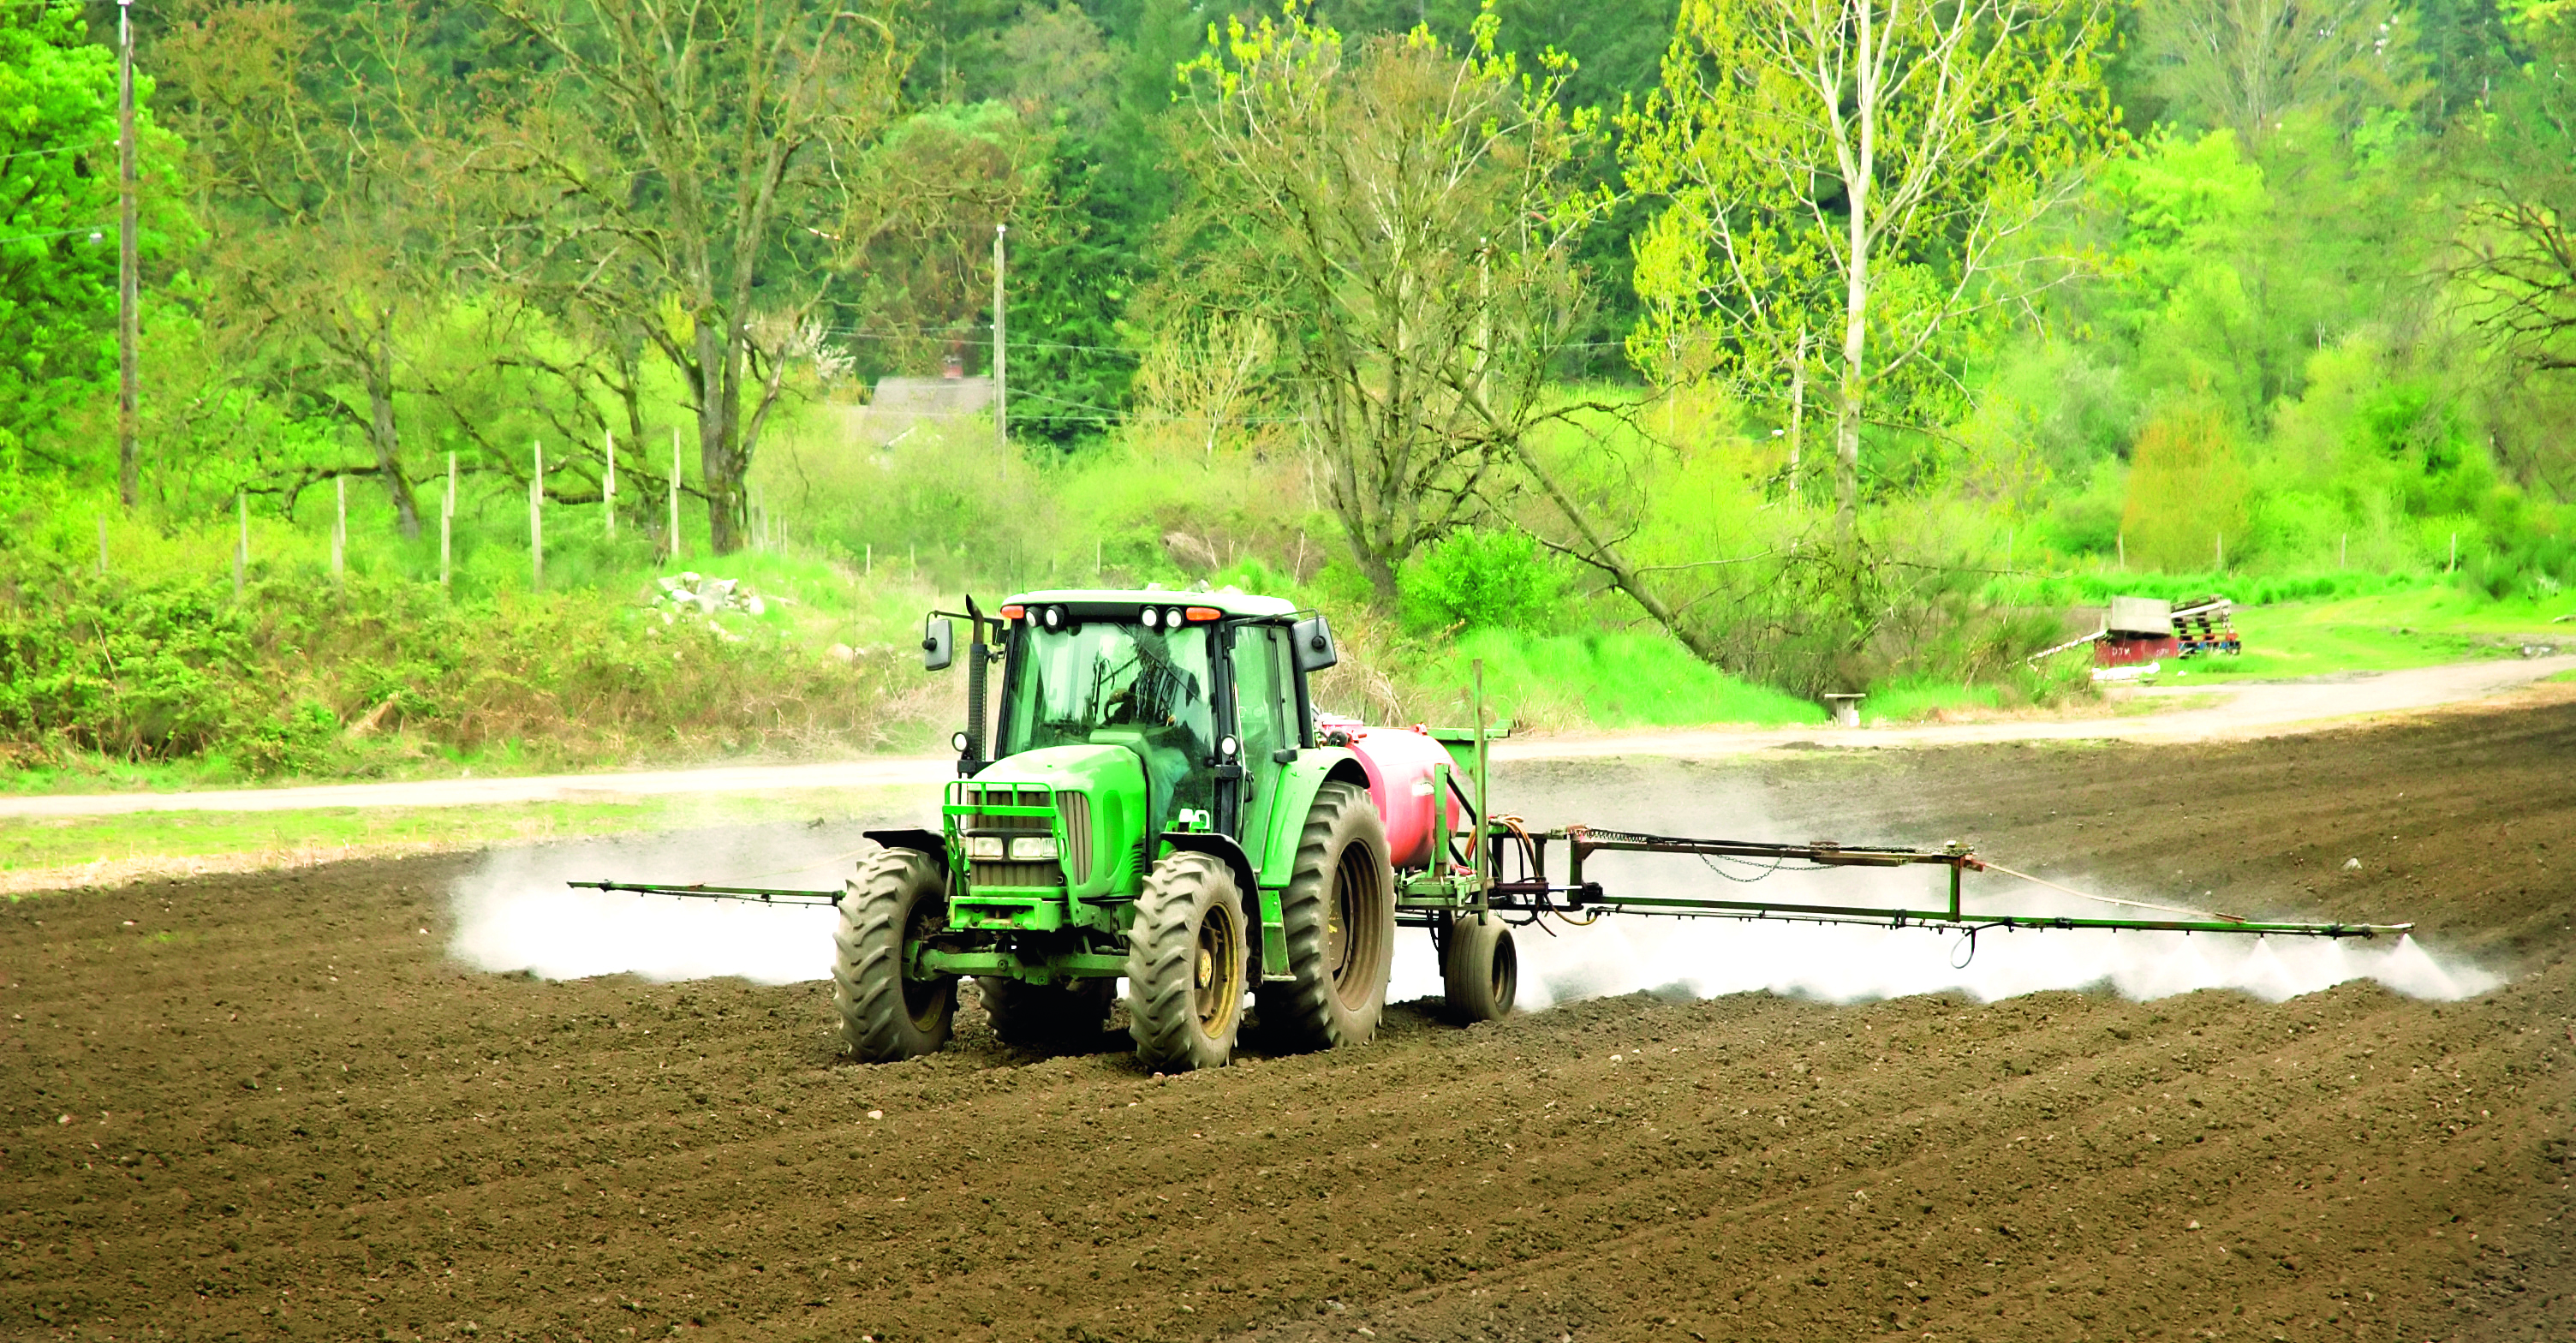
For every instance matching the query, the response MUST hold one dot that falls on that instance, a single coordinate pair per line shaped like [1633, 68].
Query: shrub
[1483, 580]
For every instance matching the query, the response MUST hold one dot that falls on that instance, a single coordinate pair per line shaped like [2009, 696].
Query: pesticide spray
[515, 914]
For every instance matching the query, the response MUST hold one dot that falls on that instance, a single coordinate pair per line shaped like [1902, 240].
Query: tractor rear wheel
[899, 897]
[1480, 972]
[1045, 1016]
[1339, 916]
[1186, 965]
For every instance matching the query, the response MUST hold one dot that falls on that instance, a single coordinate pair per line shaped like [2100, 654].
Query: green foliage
[58, 221]
[2187, 490]
[1601, 679]
[1758, 264]
[306, 677]
[1484, 580]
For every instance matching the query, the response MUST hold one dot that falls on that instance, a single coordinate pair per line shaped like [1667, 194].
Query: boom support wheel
[1046, 1016]
[1480, 972]
[899, 897]
[1339, 916]
[1187, 965]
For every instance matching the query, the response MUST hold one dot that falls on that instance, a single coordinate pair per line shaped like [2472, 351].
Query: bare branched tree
[1871, 171]
[681, 172]
[2245, 65]
[1404, 214]
[322, 174]
[2516, 259]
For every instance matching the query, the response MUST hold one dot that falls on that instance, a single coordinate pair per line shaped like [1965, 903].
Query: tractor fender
[926, 841]
[1224, 850]
[1294, 797]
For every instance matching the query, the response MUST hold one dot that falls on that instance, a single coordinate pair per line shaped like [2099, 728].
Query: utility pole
[1001, 357]
[128, 285]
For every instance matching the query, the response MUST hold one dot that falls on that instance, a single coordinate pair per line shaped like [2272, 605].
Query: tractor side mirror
[1312, 641]
[938, 643]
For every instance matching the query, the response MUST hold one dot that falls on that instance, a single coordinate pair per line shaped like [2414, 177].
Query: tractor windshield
[1120, 684]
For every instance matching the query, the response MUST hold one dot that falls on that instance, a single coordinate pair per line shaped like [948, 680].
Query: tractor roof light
[1014, 611]
[1171, 617]
[1054, 617]
[1151, 617]
[1200, 614]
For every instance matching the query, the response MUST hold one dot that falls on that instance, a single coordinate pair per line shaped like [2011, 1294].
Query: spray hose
[1529, 855]
[2131, 904]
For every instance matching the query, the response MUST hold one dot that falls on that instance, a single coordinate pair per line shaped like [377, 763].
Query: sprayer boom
[762, 894]
[1529, 891]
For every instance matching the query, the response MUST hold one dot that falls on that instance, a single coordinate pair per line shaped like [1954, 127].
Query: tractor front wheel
[1339, 916]
[1480, 972]
[899, 898]
[1045, 1016]
[1186, 968]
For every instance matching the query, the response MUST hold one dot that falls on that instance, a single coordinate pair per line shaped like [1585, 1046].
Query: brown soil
[271, 1106]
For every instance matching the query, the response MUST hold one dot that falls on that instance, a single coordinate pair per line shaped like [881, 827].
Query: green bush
[303, 676]
[1481, 580]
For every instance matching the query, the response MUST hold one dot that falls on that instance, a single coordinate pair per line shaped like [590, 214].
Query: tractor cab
[1204, 692]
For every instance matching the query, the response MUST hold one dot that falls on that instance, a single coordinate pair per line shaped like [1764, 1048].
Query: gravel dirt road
[274, 1107]
[2230, 711]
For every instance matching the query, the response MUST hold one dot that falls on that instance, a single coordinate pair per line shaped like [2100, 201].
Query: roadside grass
[2386, 631]
[1610, 680]
[46, 853]
[1915, 701]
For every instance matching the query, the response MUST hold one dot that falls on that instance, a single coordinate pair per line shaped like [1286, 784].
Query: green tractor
[1156, 805]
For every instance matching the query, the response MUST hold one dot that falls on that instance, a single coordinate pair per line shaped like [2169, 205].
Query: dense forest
[1830, 342]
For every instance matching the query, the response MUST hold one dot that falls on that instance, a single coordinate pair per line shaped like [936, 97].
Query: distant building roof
[900, 405]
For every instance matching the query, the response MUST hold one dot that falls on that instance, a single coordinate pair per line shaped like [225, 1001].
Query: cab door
[1259, 654]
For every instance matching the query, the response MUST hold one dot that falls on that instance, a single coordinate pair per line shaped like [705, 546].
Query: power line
[93, 229]
[57, 149]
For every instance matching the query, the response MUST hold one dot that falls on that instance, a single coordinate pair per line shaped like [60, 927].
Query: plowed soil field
[274, 1107]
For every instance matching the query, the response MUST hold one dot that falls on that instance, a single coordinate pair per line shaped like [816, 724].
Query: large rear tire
[900, 896]
[1480, 971]
[1046, 1016]
[1186, 965]
[1339, 916]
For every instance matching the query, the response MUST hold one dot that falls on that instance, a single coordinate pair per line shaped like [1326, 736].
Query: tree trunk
[719, 433]
[1859, 177]
[1607, 559]
[382, 433]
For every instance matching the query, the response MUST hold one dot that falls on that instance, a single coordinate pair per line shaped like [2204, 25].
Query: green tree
[2187, 490]
[1405, 213]
[58, 204]
[1859, 177]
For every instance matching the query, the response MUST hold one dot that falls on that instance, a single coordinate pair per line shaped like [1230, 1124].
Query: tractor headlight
[984, 846]
[1034, 849]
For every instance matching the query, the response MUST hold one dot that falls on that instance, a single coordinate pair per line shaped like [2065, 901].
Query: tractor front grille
[1076, 809]
[1076, 852]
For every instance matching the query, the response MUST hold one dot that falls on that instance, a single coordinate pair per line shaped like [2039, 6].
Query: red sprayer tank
[1399, 762]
